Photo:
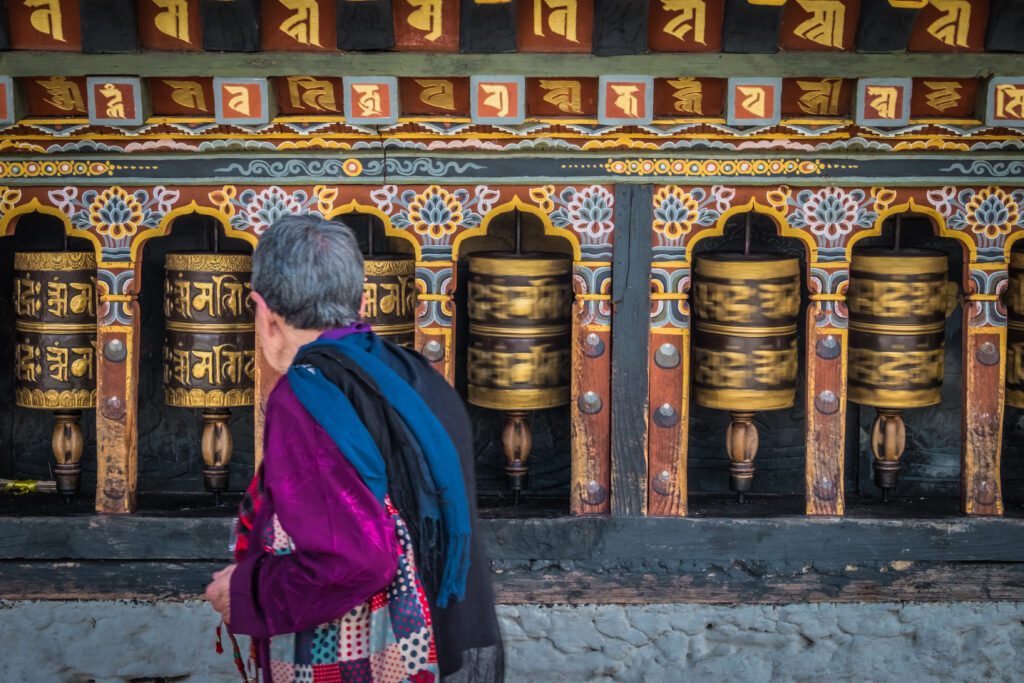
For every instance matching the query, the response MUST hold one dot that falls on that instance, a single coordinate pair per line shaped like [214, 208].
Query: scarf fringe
[456, 568]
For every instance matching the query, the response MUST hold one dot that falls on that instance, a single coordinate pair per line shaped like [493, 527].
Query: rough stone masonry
[163, 642]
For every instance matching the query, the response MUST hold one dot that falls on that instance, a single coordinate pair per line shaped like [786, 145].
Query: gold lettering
[437, 92]
[27, 368]
[896, 299]
[63, 94]
[561, 19]
[542, 298]
[180, 367]
[83, 298]
[188, 94]
[690, 17]
[944, 94]
[497, 97]
[542, 365]
[754, 99]
[370, 299]
[952, 27]
[57, 358]
[825, 26]
[427, 17]
[307, 92]
[774, 367]
[304, 25]
[894, 369]
[820, 98]
[688, 95]
[47, 19]
[566, 95]
[370, 102]
[115, 101]
[626, 99]
[85, 363]
[172, 20]
[1009, 101]
[779, 300]
[26, 301]
[239, 99]
[883, 100]
[57, 299]
[724, 369]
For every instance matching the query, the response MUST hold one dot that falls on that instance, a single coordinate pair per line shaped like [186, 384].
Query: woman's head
[307, 277]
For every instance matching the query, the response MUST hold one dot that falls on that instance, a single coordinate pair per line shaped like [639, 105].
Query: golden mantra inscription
[389, 292]
[735, 370]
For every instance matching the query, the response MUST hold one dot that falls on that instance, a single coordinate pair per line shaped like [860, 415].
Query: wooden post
[984, 375]
[117, 361]
[589, 412]
[669, 372]
[825, 406]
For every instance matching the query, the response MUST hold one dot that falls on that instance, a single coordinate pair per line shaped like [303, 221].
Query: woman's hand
[219, 592]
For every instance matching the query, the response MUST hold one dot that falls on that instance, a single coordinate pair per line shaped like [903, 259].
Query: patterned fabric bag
[388, 639]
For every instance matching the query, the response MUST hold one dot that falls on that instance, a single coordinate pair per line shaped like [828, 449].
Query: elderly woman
[357, 557]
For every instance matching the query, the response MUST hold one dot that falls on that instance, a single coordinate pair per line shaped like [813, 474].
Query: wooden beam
[838, 65]
[631, 321]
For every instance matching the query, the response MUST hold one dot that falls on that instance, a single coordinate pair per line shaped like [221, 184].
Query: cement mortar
[118, 641]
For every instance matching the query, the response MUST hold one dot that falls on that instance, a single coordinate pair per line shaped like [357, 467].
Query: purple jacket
[345, 546]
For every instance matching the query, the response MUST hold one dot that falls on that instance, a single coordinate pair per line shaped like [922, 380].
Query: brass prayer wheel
[745, 314]
[1015, 336]
[390, 295]
[897, 301]
[519, 335]
[55, 350]
[209, 347]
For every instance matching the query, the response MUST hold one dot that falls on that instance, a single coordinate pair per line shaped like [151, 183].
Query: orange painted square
[549, 97]
[159, 27]
[439, 96]
[667, 105]
[813, 25]
[44, 95]
[384, 93]
[740, 111]
[4, 94]
[615, 111]
[33, 28]
[872, 112]
[485, 110]
[544, 25]
[181, 96]
[426, 25]
[698, 34]
[937, 30]
[795, 102]
[284, 28]
[253, 98]
[926, 99]
[103, 95]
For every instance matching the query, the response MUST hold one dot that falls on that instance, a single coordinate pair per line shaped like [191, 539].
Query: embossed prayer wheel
[1015, 337]
[519, 308]
[209, 348]
[898, 301]
[390, 295]
[745, 313]
[55, 349]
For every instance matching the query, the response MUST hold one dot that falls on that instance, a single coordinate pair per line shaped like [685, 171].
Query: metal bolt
[988, 354]
[665, 416]
[594, 346]
[593, 493]
[590, 403]
[115, 351]
[113, 409]
[827, 403]
[662, 484]
[667, 356]
[433, 350]
[828, 348]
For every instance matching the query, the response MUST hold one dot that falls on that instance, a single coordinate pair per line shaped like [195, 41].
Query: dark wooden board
[620, 27]
[750, 28]
[231, 26]
[883, 28]
[1005, 26]
[365, 25]
[488, 28]
[5, 31]
[109, 26]
[631, 305]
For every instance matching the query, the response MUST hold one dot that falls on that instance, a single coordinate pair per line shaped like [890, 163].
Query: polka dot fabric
[387, 639]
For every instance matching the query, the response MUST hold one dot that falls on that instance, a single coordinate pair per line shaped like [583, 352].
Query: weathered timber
[365, 25]
[5, 31]
[711, 65]
[488, 28]
[229, 27]
[1005, 26]
[668, 432]
[749, 27]
[982, 420]
[104, 24]
[620, 27]
[884, 28]
[631, 304]
[826, 410]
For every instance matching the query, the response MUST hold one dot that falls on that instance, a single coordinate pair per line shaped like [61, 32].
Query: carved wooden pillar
[435, 320]
[825, 406]
[590, 406]
[984, 374]
[117, 357]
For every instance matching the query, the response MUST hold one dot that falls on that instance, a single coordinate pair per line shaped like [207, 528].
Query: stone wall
[117, 641]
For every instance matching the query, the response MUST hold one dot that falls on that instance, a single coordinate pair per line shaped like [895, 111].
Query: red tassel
[219, 645]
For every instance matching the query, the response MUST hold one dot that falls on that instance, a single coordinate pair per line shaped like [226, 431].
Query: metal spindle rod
[746, 237]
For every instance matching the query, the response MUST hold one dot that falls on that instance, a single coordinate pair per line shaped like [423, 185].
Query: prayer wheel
[390, 295]
[209, 348]
[746, 309]
[1015, 337]
[519, 308]
[55, 350]
[897, 302]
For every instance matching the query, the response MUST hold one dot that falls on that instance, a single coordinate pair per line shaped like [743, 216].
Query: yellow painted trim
[168, 220]
[389, 229]
[669, 296]
[911, 206]
[982, 297]
[670, 331]
[828, 297]
[8, 225]
[593, 264]
[1008, 245]
[670, 264]
[593, 297]
[785, 230]
[434, 297]
[517, 203]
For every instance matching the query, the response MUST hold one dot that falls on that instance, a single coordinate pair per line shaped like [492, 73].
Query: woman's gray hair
[310, 272]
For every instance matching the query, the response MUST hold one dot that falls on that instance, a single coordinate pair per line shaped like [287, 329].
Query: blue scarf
[334, 412]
